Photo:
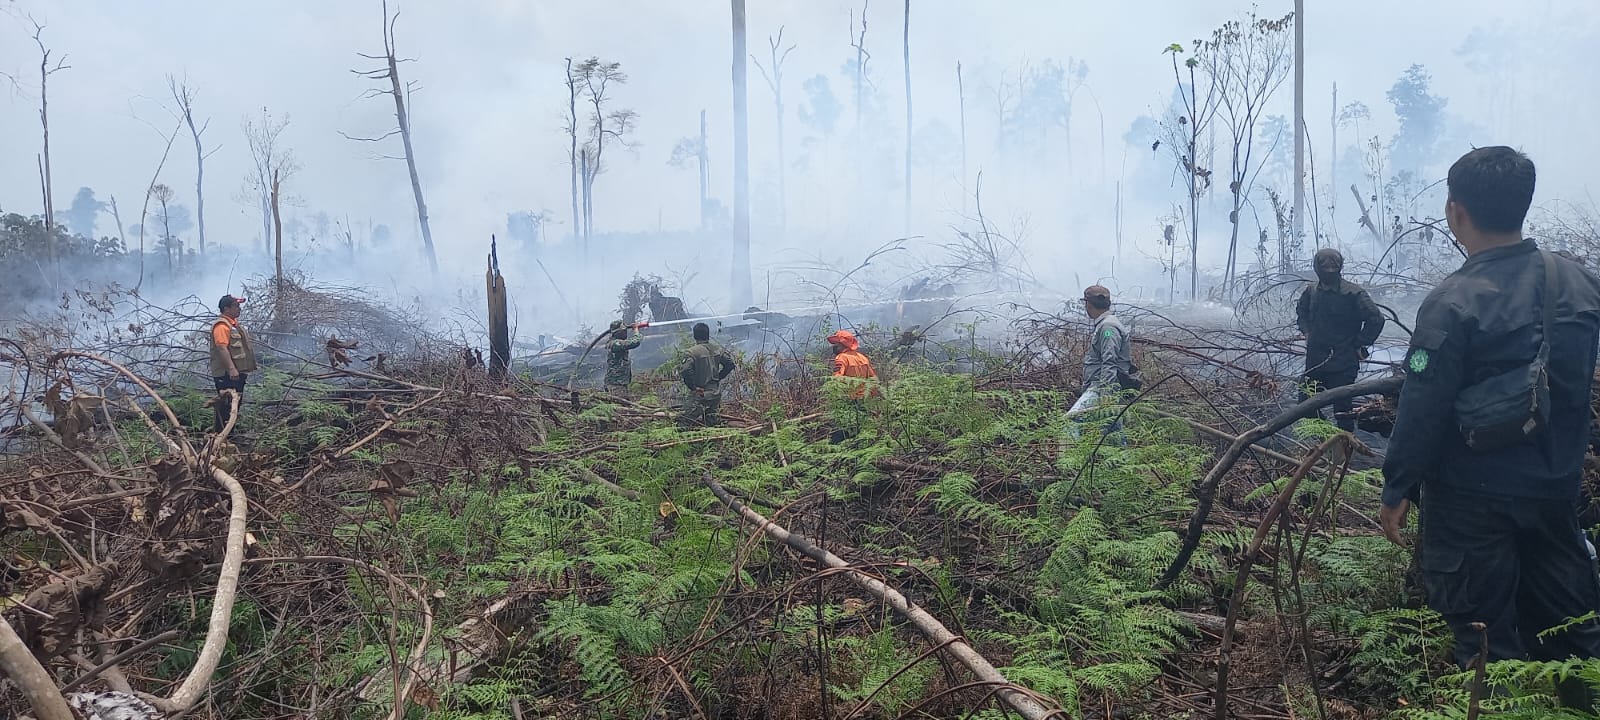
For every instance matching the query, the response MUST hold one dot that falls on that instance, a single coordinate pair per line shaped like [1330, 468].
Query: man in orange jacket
[233, 356]
[848, 361]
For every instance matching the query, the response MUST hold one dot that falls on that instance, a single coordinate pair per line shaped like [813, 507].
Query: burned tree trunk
[499, 329]
[742, 293]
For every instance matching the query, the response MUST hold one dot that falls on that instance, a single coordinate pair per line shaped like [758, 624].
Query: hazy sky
[488, 113]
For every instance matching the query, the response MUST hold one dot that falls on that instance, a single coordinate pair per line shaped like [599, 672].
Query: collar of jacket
[230, 321]
[1504, 251]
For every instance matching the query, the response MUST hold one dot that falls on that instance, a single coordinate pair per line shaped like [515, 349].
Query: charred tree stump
[499, 329]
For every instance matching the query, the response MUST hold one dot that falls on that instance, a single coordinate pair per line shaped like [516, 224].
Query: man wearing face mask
[1339, 321]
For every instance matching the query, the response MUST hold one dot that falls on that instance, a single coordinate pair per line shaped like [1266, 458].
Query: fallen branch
[1241, 578]
[199, 677]
[1024, 703]
[187, 451]
[28, 674]
[1206, 493]
[120, 657]
[54, 438]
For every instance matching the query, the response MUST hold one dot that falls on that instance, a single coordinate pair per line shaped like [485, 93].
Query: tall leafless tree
[268, 156]
[1247, 61]
[401, 92]
[858, 42]
[184, 96]
[46, 69]
[694, 147]
[607, 127]
[775, 82]
[743, 292]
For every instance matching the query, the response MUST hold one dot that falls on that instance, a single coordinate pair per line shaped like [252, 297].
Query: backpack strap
[1547, 314]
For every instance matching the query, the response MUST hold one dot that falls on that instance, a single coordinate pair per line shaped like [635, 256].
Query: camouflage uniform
[619, 368]
[704, 368]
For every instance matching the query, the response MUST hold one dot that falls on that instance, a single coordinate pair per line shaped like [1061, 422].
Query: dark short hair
[702, 332]
[226, 302]
[1495, 186]
[619, 334]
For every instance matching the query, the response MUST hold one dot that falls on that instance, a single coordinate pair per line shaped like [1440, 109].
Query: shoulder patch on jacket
[1423, 344]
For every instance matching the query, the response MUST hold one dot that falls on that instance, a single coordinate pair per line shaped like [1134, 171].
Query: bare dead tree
[606, 127]
[117, 218]
[742, 291]
[694, 147]
[775, 82]
[164, 195]
[184, 96]
[46, 69]
[1197, 108]
[572, 152]
[402, 100]
[858, 42]
[149, 192]
[1247, 61]
[268, 157]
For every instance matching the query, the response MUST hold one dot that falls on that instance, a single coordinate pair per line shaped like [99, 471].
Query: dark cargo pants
[224, 406]
[1517, 565]
[1321, 380]
[702, 410]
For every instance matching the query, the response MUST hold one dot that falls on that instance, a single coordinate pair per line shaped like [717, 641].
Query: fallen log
[1027, 704]
[1206, 493]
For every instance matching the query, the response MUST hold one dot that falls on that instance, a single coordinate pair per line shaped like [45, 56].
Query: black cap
[228, 301]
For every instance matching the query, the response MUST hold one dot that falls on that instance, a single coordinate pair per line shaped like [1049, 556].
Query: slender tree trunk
[906, 56]
[1299, 118]
[1333, 157]
[277, 250]
[742, 293]
[572, 151]
[166, 235]
[411, 159]
[1233, 240]
[49, 203]
[704, 158]
[199, 180]
[961, 91]
[588, 184]
[117, 218]
[266, 215]
[783, 170]
[1194, 197]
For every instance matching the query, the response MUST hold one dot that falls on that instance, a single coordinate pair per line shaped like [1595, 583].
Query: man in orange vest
[233, 355]
[848, 361]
